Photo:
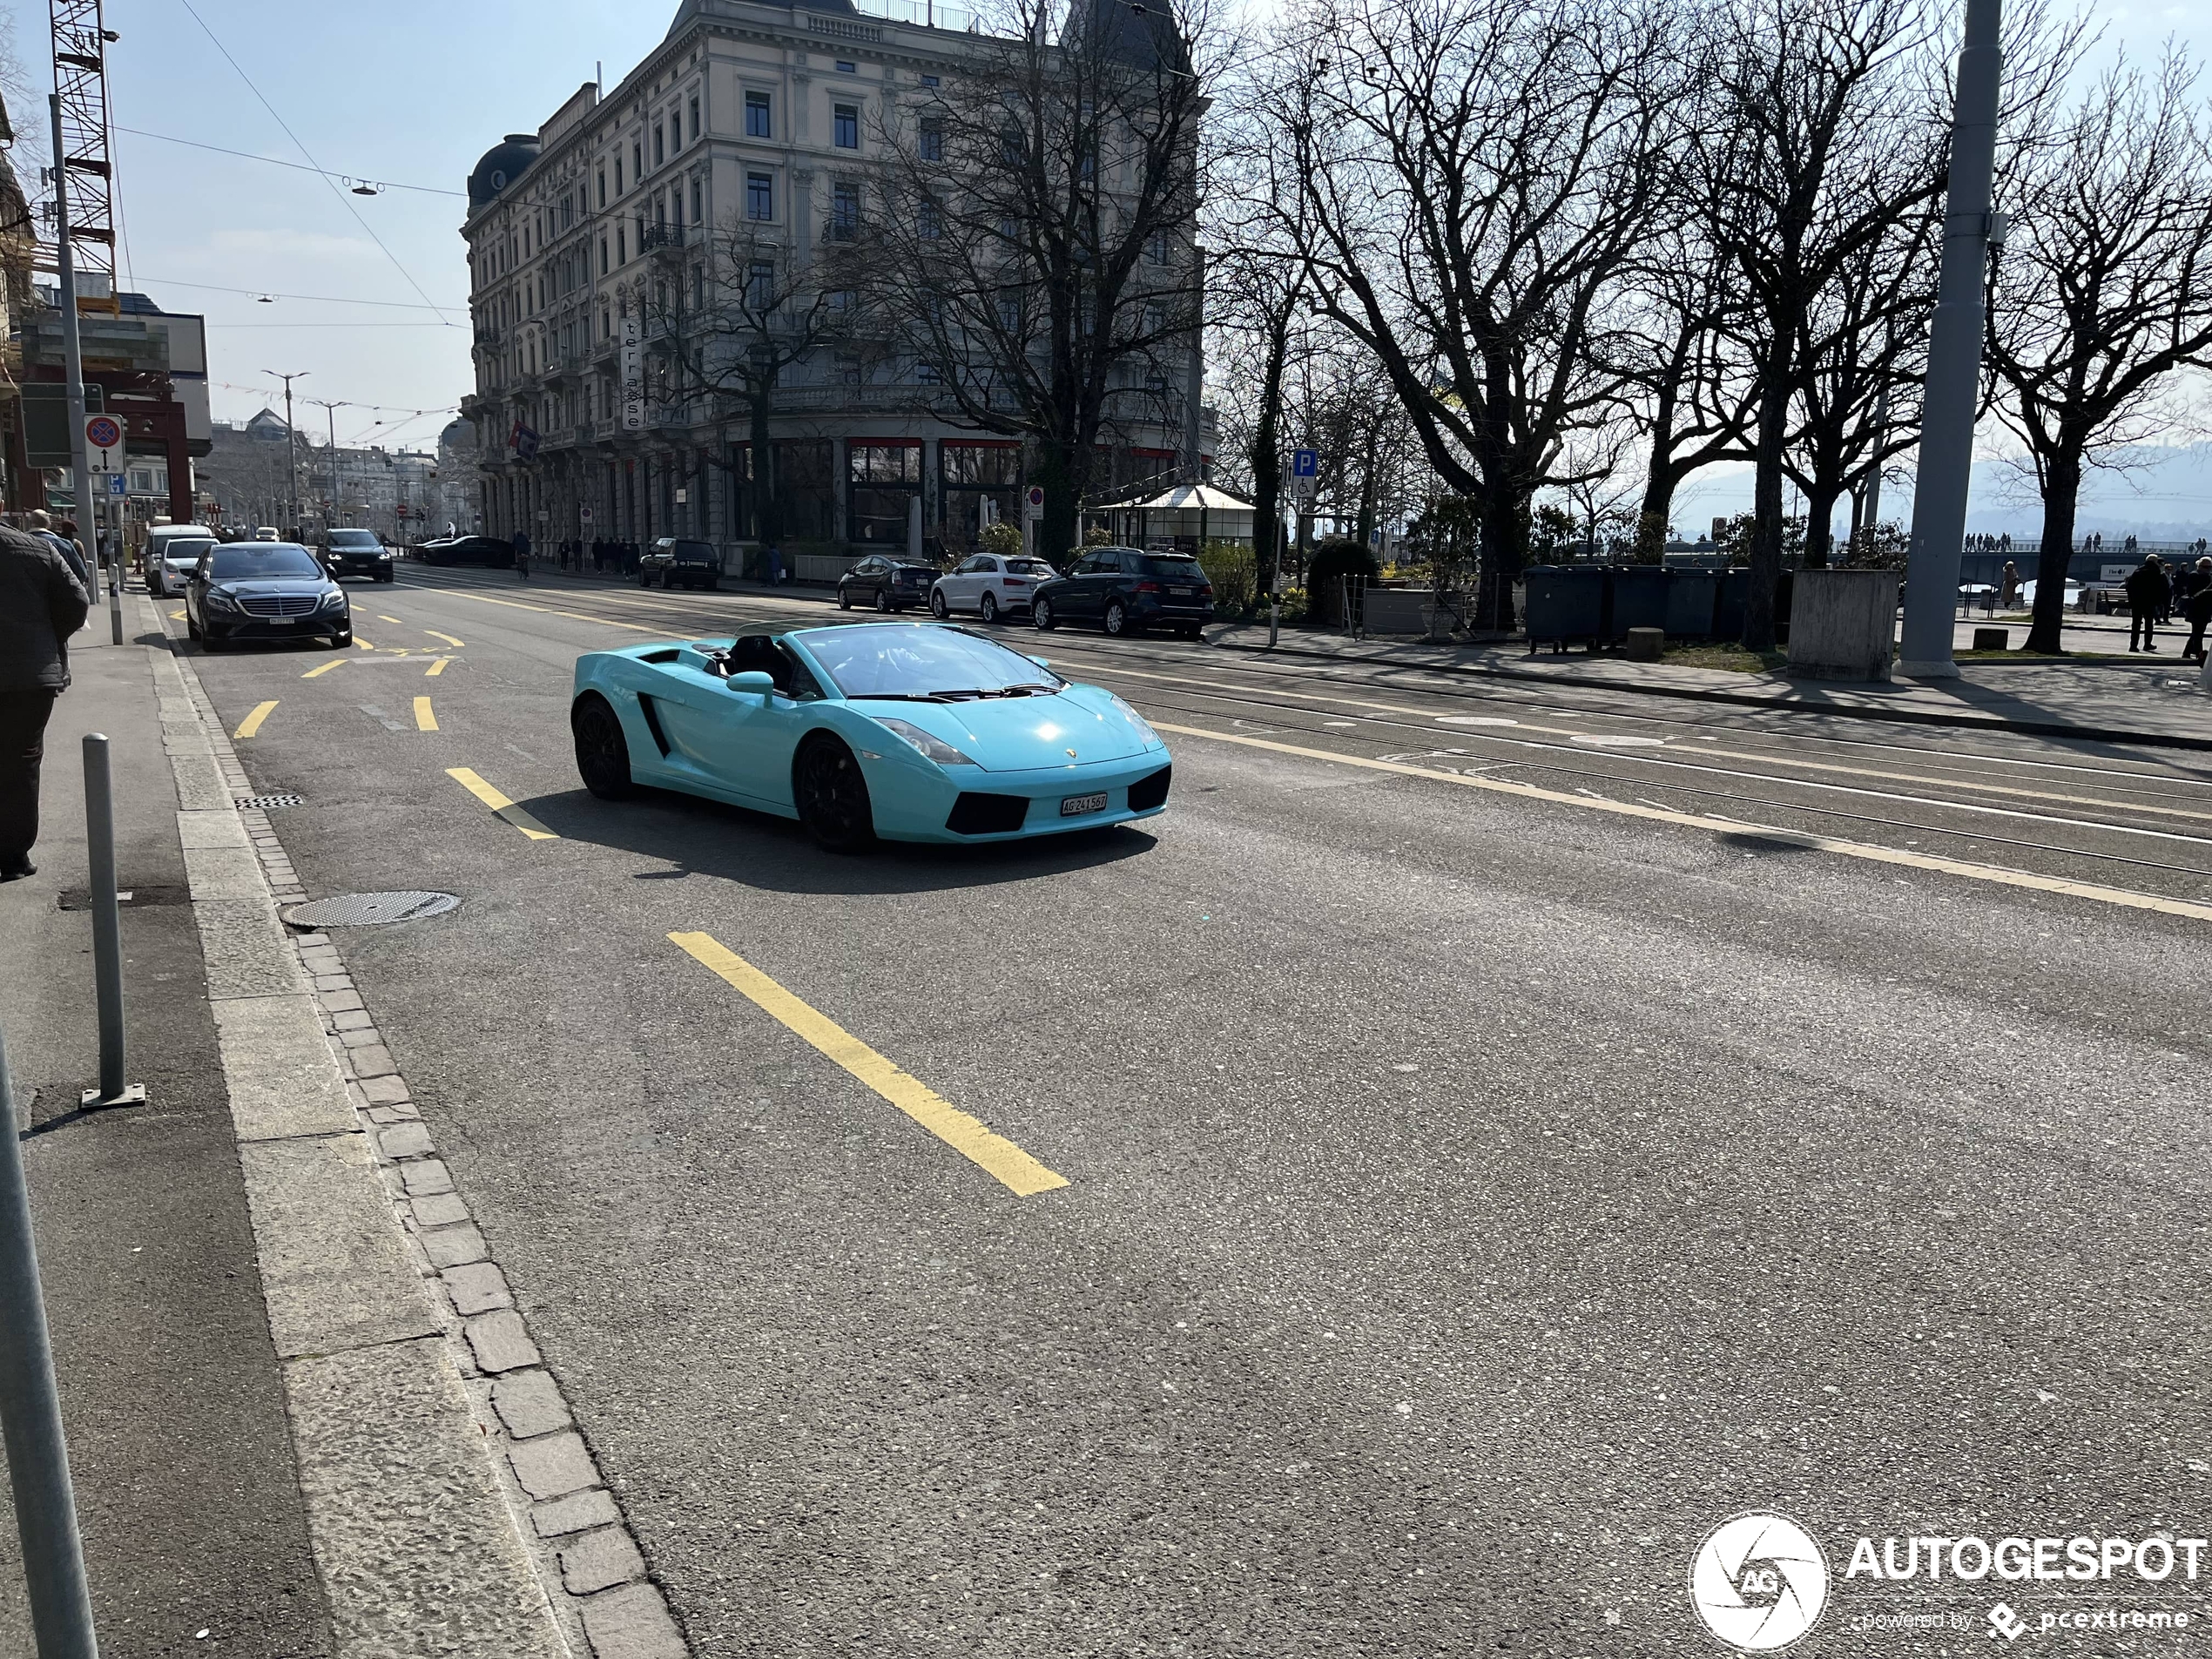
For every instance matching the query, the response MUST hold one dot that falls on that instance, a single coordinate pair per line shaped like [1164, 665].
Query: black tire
[714, 584]
[989, 608]
[883, 601]
[844, 597]
[833, 796]
[192, 628]
[386, 576]
[210, 643]
[1116, 619]
[602, 750]
[1040, 615]
[937, 608]
[342, 642]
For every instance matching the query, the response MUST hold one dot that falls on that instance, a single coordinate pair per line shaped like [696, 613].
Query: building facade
[580, 234]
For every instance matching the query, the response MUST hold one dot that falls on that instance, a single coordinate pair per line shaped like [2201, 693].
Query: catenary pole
[80, 460]
[1954, 359]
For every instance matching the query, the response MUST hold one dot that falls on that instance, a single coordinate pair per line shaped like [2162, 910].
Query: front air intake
[1146, 793]
[976, 814]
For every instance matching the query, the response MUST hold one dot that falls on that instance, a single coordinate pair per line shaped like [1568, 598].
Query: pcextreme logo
[1759, 1581]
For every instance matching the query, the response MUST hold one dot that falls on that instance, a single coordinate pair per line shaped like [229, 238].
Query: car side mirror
[752, 680]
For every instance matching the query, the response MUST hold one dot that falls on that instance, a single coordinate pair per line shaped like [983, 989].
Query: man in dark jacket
[2147, 595]
[41, 605]
[2199, 609]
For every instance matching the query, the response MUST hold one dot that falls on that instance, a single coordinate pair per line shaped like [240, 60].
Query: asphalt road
[1494, 1152]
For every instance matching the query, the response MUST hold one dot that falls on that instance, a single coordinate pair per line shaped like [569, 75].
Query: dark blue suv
[1125, 589]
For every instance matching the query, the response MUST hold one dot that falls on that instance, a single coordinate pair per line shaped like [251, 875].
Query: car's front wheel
[937, 608]
[844, 597]
[602, 752]
[1116, 617]
[990, 608]
[832, 795]
[1041, 614]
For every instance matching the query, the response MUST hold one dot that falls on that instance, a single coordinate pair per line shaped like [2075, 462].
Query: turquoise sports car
[913, 732]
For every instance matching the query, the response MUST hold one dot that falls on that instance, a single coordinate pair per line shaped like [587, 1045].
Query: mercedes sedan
[264, 590]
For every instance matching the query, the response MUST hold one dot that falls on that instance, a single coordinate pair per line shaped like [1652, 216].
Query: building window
[930, 80]
[638, 158]
[927, 374]
[761, 287]
[847, 127]
[695, 119]
[699, 201]
[845, 213]
[757, 112]
[602, 256]
[932, 140]
[930, 222]
[622, 246]
[844, 67]
[1156, 251]
[603, 184]
[699, 287]
[759, 196]
[617, 175]
[660, 151]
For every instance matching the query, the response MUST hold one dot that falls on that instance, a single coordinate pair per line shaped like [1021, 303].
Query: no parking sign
[102, 433]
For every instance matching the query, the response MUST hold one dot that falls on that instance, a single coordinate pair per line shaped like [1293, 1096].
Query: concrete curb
[1744, 699]
[453, 1504]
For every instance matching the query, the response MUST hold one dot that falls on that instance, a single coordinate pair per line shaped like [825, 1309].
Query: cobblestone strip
[595, 1580]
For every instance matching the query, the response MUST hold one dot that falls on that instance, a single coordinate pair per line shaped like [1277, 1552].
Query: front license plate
[1076, 805]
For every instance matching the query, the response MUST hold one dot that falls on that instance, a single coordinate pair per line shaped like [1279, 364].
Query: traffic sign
[1033, 502]
[1305, 463]
[101, 433]
[116, 481]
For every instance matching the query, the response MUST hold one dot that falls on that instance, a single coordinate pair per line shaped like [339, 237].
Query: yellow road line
[394, 621]
[363, 644]
[449, 639]
[992, 1152]
[435, 669]
[336, 662]
[252, 723]
[1991, 873]
[176, 616]
[424, 720]
[500, 804]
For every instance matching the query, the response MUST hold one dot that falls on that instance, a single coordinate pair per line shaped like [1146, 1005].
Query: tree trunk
[1367, 525]
[1056, 531]
[1266, 457]
[1766, 508]
[1658, 484]
[1504, 551]
[767, 510]
[2061, 485]
[1820, 509]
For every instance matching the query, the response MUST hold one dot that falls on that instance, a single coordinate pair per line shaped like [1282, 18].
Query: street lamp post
[291, 450]
[1954, 360]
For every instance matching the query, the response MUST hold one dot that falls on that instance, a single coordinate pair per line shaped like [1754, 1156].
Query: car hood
[248, 584]
[1073, 727]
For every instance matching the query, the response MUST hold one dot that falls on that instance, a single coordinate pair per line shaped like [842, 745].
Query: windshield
[700, 550]
[875, 660]
[180, 551]
[243, 561]
[355, 538]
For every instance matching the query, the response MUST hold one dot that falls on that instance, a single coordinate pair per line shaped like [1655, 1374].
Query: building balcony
[661, 236]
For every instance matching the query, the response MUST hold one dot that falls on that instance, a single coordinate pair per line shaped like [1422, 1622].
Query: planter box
[1842, 624]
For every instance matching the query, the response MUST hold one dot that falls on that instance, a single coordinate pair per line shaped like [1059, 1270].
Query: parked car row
[1122, 590]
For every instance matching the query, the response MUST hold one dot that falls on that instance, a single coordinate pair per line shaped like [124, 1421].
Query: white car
[173, 553]
[990, 585]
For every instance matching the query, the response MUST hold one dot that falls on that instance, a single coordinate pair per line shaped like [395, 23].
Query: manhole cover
[368, 909]
[262, 803]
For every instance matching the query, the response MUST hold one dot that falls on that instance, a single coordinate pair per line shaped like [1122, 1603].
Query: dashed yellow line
[424, 719]
[437, 668]
[252, 723]
[336, 662]
[988, 1150]
[449, 639]
[363, 644]
[1990, 872]
[394, 621]
[500, 804]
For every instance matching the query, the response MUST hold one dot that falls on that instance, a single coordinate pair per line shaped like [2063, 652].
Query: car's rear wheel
[1116, 617]
[990, 608]
[602, 752]
[937, 608]
[832, 796]
[883, 600]
[1041, 614]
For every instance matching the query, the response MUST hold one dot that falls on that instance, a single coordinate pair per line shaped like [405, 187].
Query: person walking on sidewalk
[42, 527]
[2147, 595]
[523, 555]
[42, 604]
[2199, 611]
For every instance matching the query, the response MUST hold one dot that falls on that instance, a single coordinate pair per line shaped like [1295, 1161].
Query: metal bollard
[107, 929]
[53, 1557]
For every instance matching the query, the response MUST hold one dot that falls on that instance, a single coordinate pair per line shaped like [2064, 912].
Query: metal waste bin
[1728, 610]
[1565, 603]
[1693, 596]
[1639, 599]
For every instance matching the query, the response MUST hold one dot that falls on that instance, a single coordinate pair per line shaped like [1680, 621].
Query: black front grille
[1146, 793]
[280, 605]
[975, 815]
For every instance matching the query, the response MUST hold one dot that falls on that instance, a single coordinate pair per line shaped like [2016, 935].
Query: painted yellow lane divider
[394, 621]
[252, 723]
[424, 720]
[363, 644]
[336, 662]
[1990, 872]
[449, 639]
[501, 807]
[992, 1152]
[437, 668]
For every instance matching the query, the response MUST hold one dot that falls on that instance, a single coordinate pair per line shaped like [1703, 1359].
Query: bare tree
[1036, 239]
[1480, 172]
[2104, 290]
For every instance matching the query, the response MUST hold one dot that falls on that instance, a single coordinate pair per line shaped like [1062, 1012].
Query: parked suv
[356, 553]
[677, 562]
[990, 585]
[1125, 589]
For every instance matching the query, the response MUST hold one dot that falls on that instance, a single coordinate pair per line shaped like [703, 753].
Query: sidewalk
[187, 1492]
[2154, 701]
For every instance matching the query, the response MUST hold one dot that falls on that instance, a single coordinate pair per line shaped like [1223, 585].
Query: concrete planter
[1842, 624]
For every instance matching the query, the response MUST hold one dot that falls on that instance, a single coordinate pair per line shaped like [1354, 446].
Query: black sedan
[468, 549]
[676, 563]
[356, 553]
[1126, 591]
[886, 583]
[264, 590]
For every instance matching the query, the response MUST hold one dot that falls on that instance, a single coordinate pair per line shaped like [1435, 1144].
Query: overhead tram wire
[335, 189]
[318, 298]
[247, 155]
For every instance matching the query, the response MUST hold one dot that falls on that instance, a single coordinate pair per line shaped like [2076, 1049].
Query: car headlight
[935, 749]
[334, 600]
[220, 600]
[1137, 720]
[386, 554]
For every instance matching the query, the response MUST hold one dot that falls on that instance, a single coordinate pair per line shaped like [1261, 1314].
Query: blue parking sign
[1305, 463]
[115, 484]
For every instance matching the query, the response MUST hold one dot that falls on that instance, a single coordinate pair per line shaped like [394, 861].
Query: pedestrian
[2012, 583]
[2199, 611]
[42, 604]
[42, 527]
[523, 555]
[2147, 589]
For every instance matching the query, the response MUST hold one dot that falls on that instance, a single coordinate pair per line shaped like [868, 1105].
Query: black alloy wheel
[832, 797]
[1116, 617]
[602, 753]
[1041, 614]
[989, 608]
